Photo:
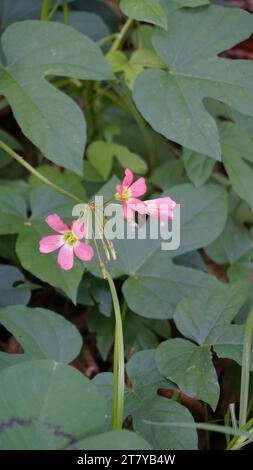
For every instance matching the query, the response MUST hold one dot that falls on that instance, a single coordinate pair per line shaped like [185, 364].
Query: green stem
[118, 362]
[245, 375]
[121, 36]
[32, 170]
[53, 11]
[65, 12]
[45, 10]
[106, 39]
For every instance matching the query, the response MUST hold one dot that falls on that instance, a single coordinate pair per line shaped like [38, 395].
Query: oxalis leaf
[51, 120]
[43, 334]
[172, 101]
[41, 407]
[204, 318]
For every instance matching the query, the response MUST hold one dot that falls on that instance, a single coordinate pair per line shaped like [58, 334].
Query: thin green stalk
[124, 312]
[245, 375]
[118, 362]
[45, 10]
[240, 440]
[53, 11]
[121, 36]
[106, 39]
[65, 12]
[32, 170]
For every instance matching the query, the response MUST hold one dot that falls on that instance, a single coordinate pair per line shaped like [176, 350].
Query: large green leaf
[101, 155]
[196, 316]
[204, 318]
[114, 440]
[161, 411]
[149, 11]
[156, 285]
[46, 116]
[197, 166]
[234, 242]
[87, 23]
[145, 379]
[42, 334]
[172, 101]
[237, 156]
[45, 405]
[10, 294]
[190, 367]
[12, 210]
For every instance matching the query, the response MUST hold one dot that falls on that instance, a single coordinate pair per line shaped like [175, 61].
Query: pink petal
[161, 208]
[55, 222]
[84, 251]
[138, 206]
[127, 181]
[138, 188]
[78, 229]
[127, 211]
[66, 257]
[119, 189]
[50, 243]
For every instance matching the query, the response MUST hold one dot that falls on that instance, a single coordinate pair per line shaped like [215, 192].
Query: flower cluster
[68, 238]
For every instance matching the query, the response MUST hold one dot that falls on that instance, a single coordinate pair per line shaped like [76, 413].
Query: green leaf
[160, 410]
[10, 294]
[42, 333]
[67, 180]
[191, 3]
[197, 315]
[190, 367]
[12, 142]
[234, 242]
[237, 156]
[172, 101]
[149, 11]
[101, 155]
[169, 174]
[87, 23]
[51, 120]
[131, 68]
[197, 166]
[41, 407]
[18, 11]
[12, 211]
[114, 440]
[145, 380]
[7, 360]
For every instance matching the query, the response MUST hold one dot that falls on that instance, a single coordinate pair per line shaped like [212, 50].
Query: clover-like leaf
[43, 334]
[172, 101]
[51, 120]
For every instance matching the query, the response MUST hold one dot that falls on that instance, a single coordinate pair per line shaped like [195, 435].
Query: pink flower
[68, 241]
[161, 208]
[128, 193]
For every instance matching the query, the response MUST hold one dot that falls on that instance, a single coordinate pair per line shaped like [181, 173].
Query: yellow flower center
[70, 238]
[124, 196]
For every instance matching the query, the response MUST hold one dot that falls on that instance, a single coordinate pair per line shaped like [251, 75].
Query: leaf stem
[65, 12]
[45, 10]
[32, 170]
[118, 362]
[246, 358]
[121, 36]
